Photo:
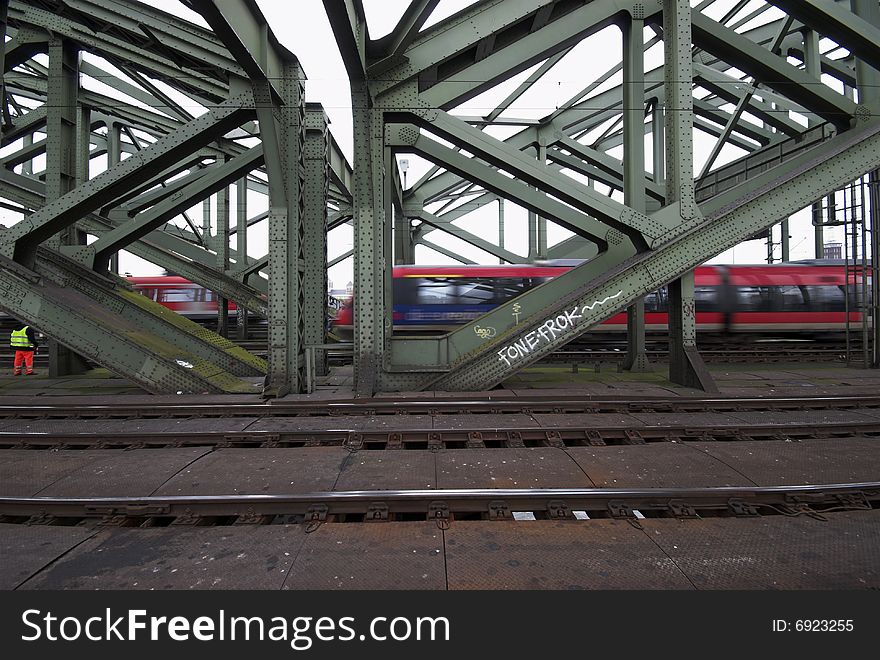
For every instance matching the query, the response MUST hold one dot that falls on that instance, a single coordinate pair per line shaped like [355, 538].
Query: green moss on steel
[200, 332]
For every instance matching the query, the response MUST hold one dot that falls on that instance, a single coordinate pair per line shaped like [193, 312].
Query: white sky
[302, 26]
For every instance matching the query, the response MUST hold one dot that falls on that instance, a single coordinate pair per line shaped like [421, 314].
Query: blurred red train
[179, 294]
[807, 299]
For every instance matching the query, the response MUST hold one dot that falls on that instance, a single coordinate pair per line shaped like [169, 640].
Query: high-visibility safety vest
[19, 339]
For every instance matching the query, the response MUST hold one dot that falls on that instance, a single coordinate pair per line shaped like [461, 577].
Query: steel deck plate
[237, 557]
[111, 427]
[542, 467]
[403, 555]
[388, 470]
[489, 421]
[348, 422]
[775, 552]
[26, 549]
[685, 419]
[598, 420]
[125, 473]
[595, 554]
[259, 472]
[773, 463]
[659, 465]
[24, 472]
[803, 417]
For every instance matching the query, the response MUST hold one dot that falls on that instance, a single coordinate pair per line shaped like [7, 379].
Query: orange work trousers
[25, 358]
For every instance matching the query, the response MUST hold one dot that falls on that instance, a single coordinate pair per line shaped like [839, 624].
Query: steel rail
[555, 403]
[437, 439]
[441, 503]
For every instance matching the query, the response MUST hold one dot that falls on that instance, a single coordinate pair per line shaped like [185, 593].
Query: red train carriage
[184, 297]
[781, 299]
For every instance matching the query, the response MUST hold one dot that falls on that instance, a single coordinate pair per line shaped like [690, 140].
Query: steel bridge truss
[739, 72]
[722, 61]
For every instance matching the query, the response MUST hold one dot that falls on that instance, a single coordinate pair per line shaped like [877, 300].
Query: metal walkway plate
[26, 549]
[129, 473]
[25, 473]
[596, 554]
[267, 471]
[543, 467]
[776, 552]
[404, 555]
[388, 470]
[244, 557]
[773, 463]
[659, 465]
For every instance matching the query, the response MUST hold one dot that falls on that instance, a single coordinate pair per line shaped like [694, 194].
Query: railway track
[453, 405]
[438, 439]
[442, 505]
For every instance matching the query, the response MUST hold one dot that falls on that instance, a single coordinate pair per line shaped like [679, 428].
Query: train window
[476, 292]
[826, 298]
[758, 298]
[793, 298]
[149, 293]
[706, 299]
[178, 295]
[657, 301]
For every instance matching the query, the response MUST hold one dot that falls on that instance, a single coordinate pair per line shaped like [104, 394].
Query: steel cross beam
[776, 194]
[839, 23]
[20, 242]
[92, 329]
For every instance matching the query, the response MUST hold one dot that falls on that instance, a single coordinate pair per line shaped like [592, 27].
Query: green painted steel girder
[504, 186]
[215, 179]
[349, 25]
[447, 227]
[243, 29]
[140, 50]
[859, 36]
[774, 195]
[153, 319]
[20, 242]
[95, 331]
[773, 71]
[534, 173]
[173, 253]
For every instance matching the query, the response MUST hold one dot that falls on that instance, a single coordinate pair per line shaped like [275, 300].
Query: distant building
[833, 251]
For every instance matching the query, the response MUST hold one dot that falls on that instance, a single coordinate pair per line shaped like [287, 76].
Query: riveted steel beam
[862, 38]
[349, 25]
[21, 241]
[774, 71]
[775, 194]
[92, 329]
[215, 179]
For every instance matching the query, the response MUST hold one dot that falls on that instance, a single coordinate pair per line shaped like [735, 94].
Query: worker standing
[24, 342]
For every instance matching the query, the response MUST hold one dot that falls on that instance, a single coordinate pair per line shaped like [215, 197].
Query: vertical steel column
[286, 329]
[114, 155]
[404, 250]
[500, 226]
[61, 166]
[206, 222]
[813, 66]
[868, 82]
[686, 366]
[634, 170]
[786, 240]
[317, 184]
[541, 223]
[241, 249]
[222, 251]
[83, 144]
[368, 210]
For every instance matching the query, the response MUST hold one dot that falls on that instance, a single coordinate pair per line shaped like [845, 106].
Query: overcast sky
[302, 26]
